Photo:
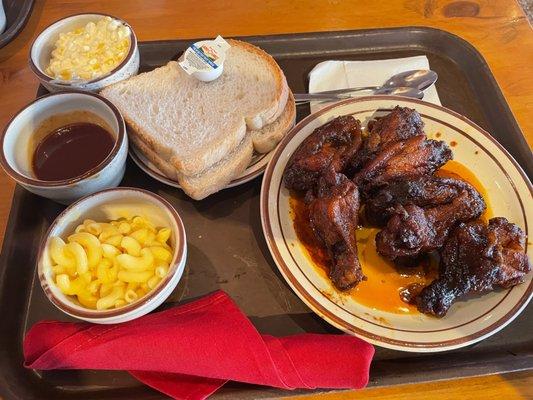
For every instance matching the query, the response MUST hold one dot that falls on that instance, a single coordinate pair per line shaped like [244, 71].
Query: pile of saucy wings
[391, 171]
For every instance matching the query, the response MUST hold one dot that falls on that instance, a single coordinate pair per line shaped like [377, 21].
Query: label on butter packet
[205, 59]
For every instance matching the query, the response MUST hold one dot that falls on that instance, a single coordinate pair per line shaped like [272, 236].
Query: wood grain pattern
[497, 387]
[497, 28]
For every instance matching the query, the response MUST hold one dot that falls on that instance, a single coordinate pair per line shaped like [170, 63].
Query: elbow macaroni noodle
[111, 264]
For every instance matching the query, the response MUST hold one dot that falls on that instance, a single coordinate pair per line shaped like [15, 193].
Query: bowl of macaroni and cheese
[113, 256]
[85, 52]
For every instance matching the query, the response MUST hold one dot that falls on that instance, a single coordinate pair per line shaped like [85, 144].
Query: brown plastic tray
[225, 240]
[17, 13]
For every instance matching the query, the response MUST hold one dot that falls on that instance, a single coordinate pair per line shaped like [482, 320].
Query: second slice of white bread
[266, 139]
[193, 124]
[210, 181]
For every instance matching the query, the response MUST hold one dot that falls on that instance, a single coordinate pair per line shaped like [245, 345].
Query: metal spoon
[398, 91]
[416, 78]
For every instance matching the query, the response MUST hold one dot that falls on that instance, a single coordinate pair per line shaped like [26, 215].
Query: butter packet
[205, 59]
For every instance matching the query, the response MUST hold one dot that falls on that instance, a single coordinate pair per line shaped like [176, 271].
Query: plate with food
[401, 222]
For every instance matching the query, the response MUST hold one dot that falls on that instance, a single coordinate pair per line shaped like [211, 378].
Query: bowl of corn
[113, 256]
[84, 52]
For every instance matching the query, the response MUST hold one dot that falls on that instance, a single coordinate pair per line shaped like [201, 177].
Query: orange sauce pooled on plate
[454, 169]
[386, 284]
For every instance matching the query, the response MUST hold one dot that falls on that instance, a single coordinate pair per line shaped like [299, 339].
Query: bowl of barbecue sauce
[65, 146]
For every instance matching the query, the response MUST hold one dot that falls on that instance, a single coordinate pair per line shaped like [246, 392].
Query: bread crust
[211, 181]
[266, 139]
[166, 168]
[282, 89]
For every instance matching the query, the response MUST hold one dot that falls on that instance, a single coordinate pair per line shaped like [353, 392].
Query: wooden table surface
[497, 28]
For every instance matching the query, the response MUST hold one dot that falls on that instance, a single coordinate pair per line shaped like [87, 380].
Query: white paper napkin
[330, 75]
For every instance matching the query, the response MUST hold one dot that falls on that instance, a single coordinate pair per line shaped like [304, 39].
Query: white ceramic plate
[256, 168]
[467, 322]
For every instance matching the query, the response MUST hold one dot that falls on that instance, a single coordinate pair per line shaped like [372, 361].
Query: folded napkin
[331, 75]
[189, 351]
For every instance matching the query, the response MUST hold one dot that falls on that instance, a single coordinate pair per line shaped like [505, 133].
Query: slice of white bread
[215, 178]
[193, 124]
[266, 139]
[218, 176]
[222, 173]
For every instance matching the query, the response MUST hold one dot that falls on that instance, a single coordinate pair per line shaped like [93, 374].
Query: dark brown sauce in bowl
[71, 150]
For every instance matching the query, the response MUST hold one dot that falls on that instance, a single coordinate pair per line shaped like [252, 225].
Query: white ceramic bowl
[43, 45]
[16, 140]
[103, 206]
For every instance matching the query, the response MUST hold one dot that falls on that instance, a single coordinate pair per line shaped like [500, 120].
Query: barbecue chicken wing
[407, 159]
[332, 145]
[427, 191]
[413, 230]
[333, 216]
[400, 124]
[476, 258]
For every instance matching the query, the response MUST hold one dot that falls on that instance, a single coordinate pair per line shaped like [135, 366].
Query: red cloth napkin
[189, 351]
